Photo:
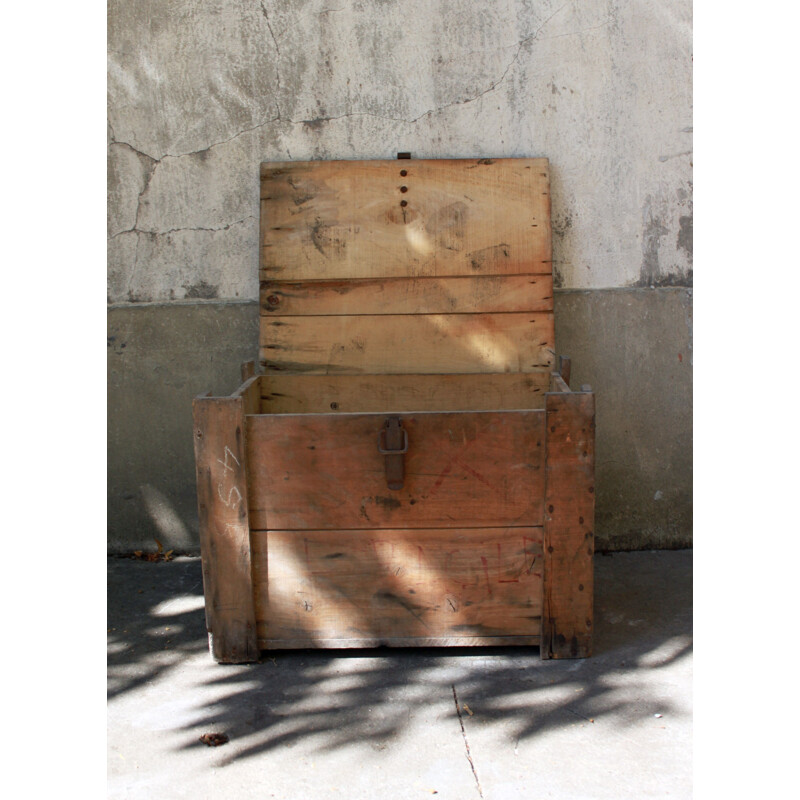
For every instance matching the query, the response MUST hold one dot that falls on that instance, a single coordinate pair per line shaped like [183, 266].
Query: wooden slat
[319, 394]
[569, 526]
[250, 392]
[398, 583]
[557, 383]
[323, 471]
[489, 293]
[428, 343]
[248, 370]
[333, 220]
[224, 529]
[395, 641]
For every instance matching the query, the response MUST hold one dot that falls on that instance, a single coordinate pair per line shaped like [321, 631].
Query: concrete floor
[490, 723]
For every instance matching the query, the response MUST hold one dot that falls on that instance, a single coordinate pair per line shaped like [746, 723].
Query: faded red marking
[500, 566]
[450, 554]
[441, 478]
[486, 573]
[476, 474]
[525, 541]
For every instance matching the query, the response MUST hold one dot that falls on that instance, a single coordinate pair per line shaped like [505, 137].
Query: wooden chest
[407, 465]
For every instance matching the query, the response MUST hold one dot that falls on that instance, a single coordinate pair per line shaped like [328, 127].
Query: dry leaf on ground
[214, 739]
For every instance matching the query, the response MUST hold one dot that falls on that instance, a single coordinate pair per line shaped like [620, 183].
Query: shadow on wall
[166, 520]
[643, 623]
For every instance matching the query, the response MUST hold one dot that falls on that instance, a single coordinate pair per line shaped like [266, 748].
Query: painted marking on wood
[486, 573]
[500, 566]
[226, 467]
[440, 480]
[474, 473]
[226, 463]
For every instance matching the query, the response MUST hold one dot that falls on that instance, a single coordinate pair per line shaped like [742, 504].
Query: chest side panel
[323, 471]
[391, 585]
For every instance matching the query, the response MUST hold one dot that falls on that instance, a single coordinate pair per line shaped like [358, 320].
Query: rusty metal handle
[392, 444]
[392, 451]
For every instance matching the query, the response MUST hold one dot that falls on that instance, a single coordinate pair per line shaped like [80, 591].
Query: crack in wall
[151, 165]
[178, 230]
[439, 109]
[317, 121]
[134, 269]
[278, 88]
[522, 43]
[662, 159]
[147, 180]
[202, 150]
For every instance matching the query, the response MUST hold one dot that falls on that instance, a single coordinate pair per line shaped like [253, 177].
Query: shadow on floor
[643, 623]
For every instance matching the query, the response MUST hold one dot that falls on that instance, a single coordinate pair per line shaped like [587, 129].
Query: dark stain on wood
[488, 255]
[389, 503]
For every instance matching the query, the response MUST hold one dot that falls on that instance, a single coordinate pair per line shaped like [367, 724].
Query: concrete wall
[201, 93]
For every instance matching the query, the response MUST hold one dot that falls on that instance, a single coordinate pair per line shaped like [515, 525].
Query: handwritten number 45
[228, 500]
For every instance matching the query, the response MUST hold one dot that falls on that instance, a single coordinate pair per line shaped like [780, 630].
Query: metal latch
[393, 443]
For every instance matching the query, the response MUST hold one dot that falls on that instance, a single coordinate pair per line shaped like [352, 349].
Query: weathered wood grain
[395, 641]
[248, 369]
[463, 295]
[568, 526]
[250, 392]
[389, 584]
[219, 434]
[323, 471]
[331, 220]
[426, 343]
[294, 394]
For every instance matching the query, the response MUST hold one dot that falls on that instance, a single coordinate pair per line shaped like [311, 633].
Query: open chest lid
[406, 266]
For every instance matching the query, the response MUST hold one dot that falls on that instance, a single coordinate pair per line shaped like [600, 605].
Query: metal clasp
[393, 443]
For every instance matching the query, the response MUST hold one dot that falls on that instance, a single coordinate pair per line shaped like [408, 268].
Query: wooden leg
[224, 528]
[568, 526]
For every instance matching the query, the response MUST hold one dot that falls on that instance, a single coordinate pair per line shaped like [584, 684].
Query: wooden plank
[293, 394]
[486, 293]
[557, 383]
[323, 471]
[395, 641]
[248, 370]
[569, 526]
[224, 530]
[388, 584]
[427, 343]
[250, 392]
[330, 220]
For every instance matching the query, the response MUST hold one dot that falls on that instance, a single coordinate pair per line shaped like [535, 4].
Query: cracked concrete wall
[201, 93]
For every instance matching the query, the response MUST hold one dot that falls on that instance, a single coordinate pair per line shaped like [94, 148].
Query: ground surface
[493, 723]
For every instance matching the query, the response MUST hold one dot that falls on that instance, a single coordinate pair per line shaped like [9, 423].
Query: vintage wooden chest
[411, 468]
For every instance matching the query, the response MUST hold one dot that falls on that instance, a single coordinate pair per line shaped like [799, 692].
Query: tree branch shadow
[338, 698]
